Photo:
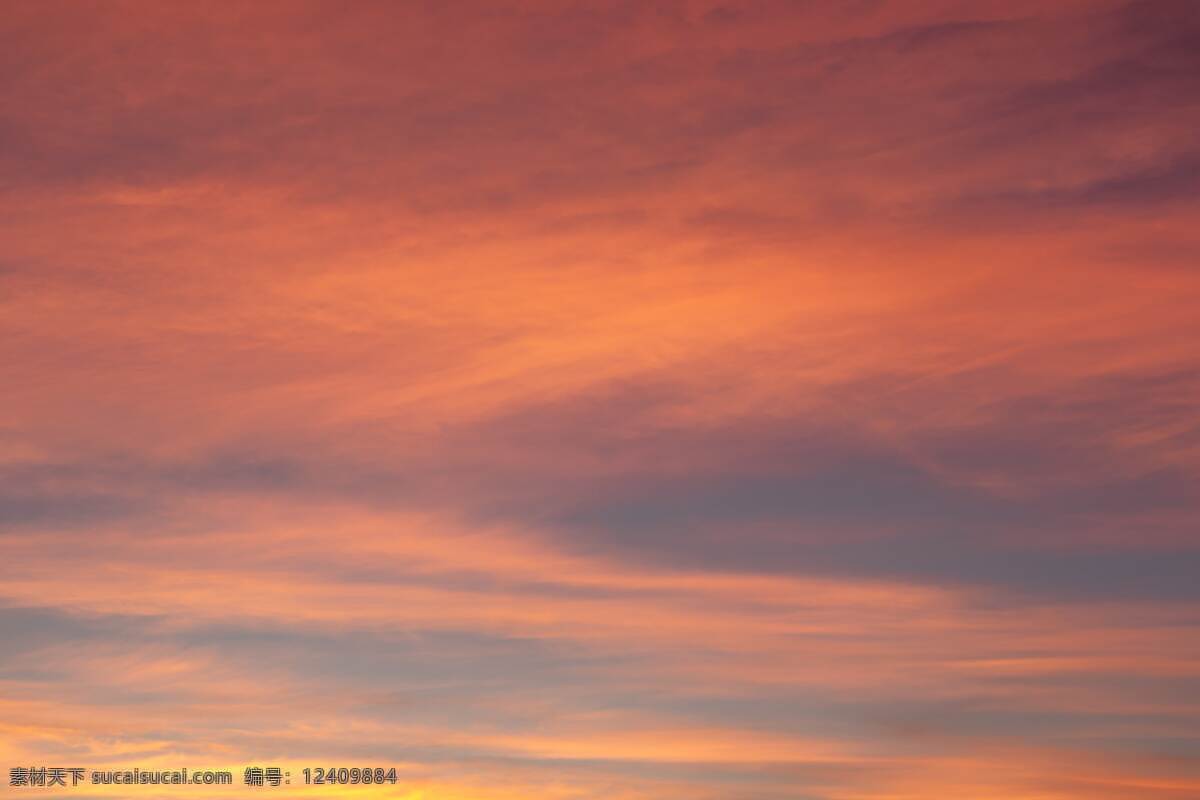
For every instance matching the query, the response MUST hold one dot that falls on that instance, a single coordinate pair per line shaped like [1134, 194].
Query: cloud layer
[605, 400]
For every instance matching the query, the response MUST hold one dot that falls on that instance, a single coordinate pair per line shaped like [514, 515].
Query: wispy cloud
[755, 400]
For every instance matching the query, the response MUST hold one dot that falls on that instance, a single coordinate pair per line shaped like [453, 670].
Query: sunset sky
[682, 400]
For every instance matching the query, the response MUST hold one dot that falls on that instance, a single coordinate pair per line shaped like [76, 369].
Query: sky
[603, 400]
